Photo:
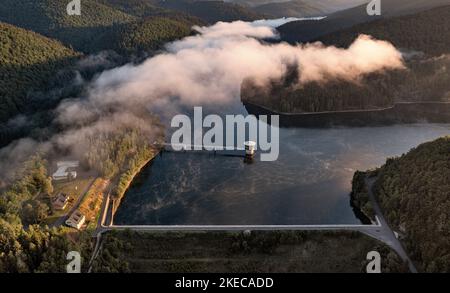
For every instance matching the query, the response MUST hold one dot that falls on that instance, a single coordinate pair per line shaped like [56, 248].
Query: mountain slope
[211, 11]
[329, 5]
[414, 193]
[46, 16]
[27, 62]
[296, 8]
[305, 8]
[309, 30]
[427, 32]
[102, 24]
[138, 8]
[147, 34]
[49, 17]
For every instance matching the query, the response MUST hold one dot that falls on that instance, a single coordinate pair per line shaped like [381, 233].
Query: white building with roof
[76, 220]
[63, 172]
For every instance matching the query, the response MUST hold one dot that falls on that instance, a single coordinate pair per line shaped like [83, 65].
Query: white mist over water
[209, 68]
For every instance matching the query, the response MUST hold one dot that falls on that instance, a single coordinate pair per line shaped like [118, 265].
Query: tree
[34, 212]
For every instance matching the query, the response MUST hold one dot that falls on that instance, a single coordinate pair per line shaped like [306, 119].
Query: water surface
[308, 184]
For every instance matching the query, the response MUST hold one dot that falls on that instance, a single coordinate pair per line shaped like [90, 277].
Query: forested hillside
[147, 34]
[335, 95]
[142, 36]
[28, 61]
[327, 5]
[296, 8]
[303, 31]
[102, 23]
[49, 17]
[427, 32]
[414, 193]
[138, 8]
[211, 11]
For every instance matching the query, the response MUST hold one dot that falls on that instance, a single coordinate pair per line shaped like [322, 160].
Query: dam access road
[380, 230]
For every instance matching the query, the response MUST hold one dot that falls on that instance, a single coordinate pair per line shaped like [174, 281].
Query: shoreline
[117, 200]
[399, 113]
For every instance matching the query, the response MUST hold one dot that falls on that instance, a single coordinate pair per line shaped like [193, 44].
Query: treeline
[359, 197]
[137, 8]
[18, 204]
[147, 35]
[414, 193]
[109, 152]
[287, 95]
[28, 62]
[118, 154]
[293, 8]
[39, 249]
[208, 11]
[424, 79]
[211, 11]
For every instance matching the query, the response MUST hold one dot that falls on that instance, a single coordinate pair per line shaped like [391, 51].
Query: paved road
[63, 219]
[391, 239]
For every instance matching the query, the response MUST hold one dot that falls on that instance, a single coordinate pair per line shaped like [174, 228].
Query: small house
[76, 220]
[61, 201]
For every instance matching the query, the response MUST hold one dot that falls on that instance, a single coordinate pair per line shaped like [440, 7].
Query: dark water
[308, 184]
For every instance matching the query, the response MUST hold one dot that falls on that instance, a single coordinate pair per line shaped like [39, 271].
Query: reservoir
[308, 184]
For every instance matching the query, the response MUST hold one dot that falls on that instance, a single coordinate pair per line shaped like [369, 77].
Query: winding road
[391, 239]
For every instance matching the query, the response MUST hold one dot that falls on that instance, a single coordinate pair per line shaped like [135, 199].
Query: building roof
[62, 168]
[77, 216]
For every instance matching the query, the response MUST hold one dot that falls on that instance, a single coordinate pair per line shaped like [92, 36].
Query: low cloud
[209, 68]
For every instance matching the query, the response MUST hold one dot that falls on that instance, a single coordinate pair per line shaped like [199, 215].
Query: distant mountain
[426, 32]
[309, 30]
[331, 5]
[210, 11]
[28, 61]
[296, 8]
[254, 3]
[138, 8]
[305, 8]
[146, 35]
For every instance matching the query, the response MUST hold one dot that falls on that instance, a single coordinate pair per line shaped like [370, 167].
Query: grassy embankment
[238, 252]
[92, 202]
